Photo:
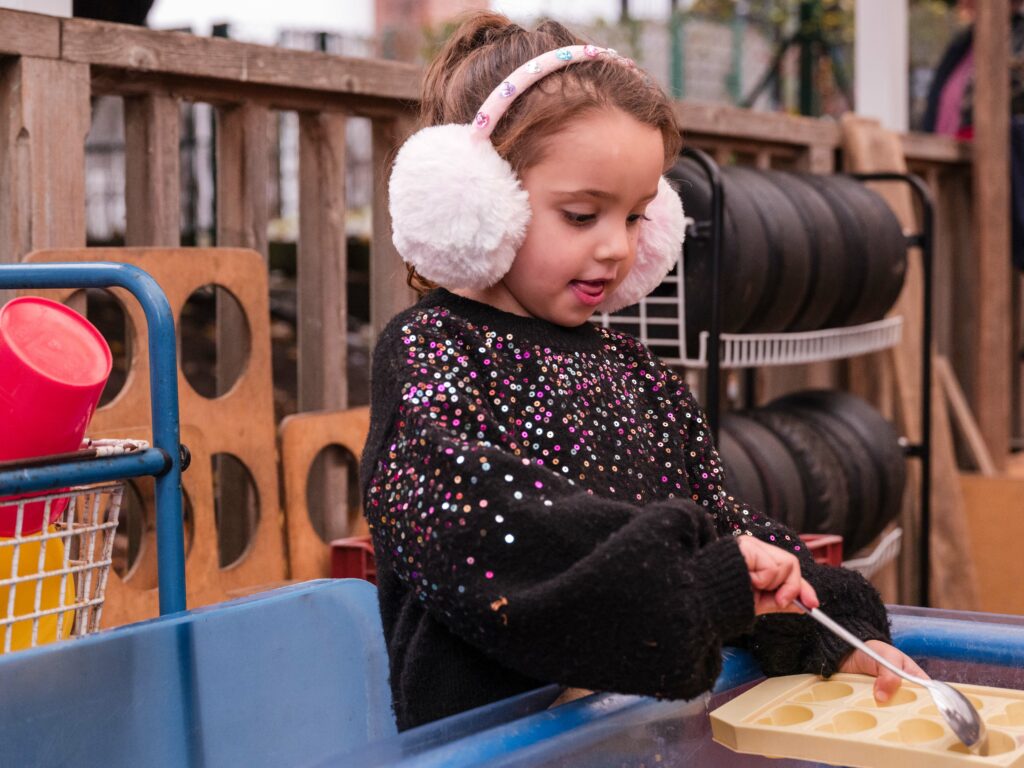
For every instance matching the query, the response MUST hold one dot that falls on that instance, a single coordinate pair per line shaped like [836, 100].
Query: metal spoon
[957, 710]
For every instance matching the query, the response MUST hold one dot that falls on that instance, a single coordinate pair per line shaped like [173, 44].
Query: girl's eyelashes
[579, 219]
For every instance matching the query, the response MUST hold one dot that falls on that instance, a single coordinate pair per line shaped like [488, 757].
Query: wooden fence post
[152, 171]
[44, 119]
[323, 305]
[243, 166]
[991, 351]
[388, 291]
[322, 263]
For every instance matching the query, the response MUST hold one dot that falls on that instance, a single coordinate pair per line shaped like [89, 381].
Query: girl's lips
[589, 292]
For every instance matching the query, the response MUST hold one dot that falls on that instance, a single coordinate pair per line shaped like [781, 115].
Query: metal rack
[717, 350]
[164, 461]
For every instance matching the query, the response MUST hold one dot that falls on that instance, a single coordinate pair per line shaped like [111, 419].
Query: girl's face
[587, 197]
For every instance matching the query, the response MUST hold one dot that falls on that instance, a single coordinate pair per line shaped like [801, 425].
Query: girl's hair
[486, 47]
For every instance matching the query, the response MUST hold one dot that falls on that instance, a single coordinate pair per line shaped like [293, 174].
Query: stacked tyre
[818, 461]
[799, 252]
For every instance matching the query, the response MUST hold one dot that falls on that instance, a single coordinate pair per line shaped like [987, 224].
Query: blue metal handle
[164, 459]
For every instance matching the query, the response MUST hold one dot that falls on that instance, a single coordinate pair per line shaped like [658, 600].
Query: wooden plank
[118, 82]
[303, 436]
[135, 597]
[322, 286]
[389, 292]
[962, 416]
[322, 266]
[944, 288]
[820, 158]
[931, 147]
[44, 119]
[29, 34]
[867, 147]
[133, 48]
[243, 164]
[239, 422]
[733, 122]
[1017, 432]
[152, 171]
[991, 348]
[996, 524]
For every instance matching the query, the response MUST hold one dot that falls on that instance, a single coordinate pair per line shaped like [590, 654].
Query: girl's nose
[616, 246]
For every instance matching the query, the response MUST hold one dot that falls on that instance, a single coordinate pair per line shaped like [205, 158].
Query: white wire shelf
[750, 350]
[741, 350]
[659, 321]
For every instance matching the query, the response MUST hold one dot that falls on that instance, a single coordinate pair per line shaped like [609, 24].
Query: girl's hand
[886, 682]
[775, 577]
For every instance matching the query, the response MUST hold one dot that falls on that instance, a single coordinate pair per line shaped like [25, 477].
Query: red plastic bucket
[53, 367]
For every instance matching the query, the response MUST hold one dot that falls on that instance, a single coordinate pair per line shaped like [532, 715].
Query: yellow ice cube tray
[837, 721]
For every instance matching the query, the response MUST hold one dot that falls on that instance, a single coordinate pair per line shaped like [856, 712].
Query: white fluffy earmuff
[459, 213]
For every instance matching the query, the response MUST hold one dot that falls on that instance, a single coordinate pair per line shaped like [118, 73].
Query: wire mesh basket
[54, 568]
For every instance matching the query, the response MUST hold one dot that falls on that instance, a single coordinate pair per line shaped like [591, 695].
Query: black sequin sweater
[547, 506]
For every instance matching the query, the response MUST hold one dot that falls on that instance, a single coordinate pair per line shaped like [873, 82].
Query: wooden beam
[765, 127]
[29, 34]
[931, 147]
[991, 350]
[963, 419]
[322, 267]
[132, 48]
[152, 171]
[389, 293]
[44, 119]
[107, 81]
[243, 164]
[323, 308]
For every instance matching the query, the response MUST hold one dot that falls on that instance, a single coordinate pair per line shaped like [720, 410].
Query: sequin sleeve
[782, 643]
[551, 580]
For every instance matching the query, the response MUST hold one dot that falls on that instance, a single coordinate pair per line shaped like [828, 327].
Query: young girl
[545, 499]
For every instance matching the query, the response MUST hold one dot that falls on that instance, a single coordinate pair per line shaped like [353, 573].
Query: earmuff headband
[459, 214]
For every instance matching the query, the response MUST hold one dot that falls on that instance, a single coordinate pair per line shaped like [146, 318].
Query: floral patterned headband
[501, 98]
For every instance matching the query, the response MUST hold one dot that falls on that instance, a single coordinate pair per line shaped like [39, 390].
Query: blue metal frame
[163, 460]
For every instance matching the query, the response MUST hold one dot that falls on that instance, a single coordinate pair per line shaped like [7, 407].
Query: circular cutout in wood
[332, 492]
[214, 340]
[236, 507]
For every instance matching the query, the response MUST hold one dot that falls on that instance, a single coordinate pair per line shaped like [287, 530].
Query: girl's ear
[458, 211]
[661, 242]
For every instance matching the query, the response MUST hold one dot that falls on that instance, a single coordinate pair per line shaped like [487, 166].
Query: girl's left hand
[886, 682]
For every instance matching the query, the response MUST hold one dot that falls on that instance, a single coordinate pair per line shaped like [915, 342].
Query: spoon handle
[856, 642]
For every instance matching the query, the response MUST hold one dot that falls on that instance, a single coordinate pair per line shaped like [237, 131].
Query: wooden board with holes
[133, 596]
[303, 436]
[239, 422]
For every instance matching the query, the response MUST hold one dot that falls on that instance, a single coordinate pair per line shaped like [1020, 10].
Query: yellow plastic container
[49, 588]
